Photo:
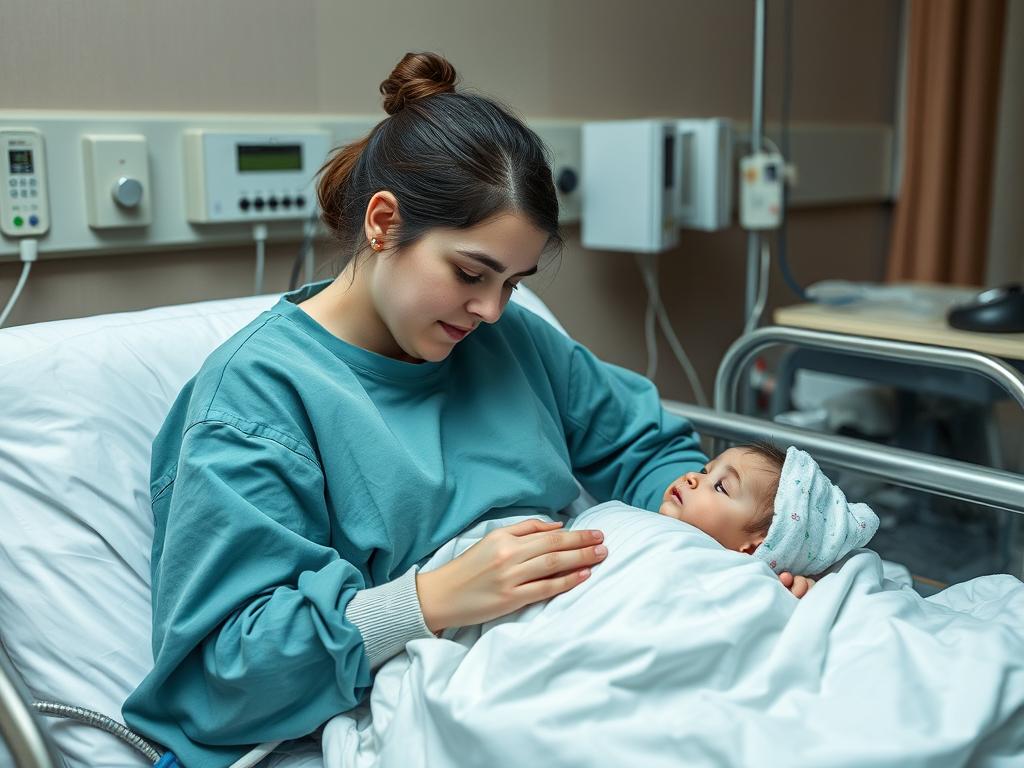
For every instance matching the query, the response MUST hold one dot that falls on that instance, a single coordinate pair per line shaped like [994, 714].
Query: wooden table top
[893, 321]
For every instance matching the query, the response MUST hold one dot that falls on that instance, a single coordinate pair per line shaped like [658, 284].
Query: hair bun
[417, 76]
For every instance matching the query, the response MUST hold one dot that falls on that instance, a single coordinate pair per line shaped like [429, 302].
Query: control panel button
[258, 203]
[286, 202]
[244, 203]
[272, 202]
[33, 221]
[300, 201]
[18, 221]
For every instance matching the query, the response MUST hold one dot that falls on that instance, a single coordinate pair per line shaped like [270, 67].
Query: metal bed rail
[743, 350]
[908, 469]
[20, 730]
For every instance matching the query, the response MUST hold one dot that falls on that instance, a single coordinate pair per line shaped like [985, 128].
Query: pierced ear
[381, 216]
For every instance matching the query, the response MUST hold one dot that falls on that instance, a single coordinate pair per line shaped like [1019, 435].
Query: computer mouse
[999, 310]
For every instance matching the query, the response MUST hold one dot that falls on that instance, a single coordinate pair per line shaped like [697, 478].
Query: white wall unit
[837, 164]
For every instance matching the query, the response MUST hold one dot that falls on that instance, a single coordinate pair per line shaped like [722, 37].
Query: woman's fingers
[542, 589]
[553, 563]
[540, 543]
[529, 526]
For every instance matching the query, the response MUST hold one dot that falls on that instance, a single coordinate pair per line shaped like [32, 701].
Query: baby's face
[723, 498]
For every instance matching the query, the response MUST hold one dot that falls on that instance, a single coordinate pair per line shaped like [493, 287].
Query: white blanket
[679, 652]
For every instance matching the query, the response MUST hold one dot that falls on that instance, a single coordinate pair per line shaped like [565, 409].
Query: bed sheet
[679, 652]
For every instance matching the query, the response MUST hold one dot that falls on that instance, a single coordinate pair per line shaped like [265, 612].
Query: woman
[338, 440]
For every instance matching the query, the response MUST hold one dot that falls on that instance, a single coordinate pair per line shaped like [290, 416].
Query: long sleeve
[298, 480]
[622, 442]
[251, 640]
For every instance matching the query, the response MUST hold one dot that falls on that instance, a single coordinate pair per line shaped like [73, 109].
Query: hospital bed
[83, 400]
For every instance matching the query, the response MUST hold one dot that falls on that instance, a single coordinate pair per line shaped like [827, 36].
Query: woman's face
[434, 293]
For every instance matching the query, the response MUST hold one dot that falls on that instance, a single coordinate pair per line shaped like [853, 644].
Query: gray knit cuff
[388, 616]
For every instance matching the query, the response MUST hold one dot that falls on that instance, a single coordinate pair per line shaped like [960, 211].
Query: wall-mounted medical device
[762, 176]
[630, 185]
[235, 176]
[116, 173]
[705, 174]
[24, 207]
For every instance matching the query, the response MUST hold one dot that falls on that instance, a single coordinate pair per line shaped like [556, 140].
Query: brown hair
[451, 159]
[775, 458]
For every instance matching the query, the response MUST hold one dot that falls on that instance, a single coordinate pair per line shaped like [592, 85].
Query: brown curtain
[954, 57]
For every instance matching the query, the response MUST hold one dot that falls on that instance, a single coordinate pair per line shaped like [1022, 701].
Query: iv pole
[756, 133]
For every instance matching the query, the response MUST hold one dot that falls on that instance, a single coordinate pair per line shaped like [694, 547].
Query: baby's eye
[703, 470]
[720, 487]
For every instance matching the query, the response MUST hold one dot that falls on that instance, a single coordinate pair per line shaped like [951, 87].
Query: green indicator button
[18, 221]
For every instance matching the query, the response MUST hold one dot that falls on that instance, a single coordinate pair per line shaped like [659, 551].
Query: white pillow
[83, 400]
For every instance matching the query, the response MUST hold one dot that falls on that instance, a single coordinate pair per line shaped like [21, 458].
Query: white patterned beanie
[814, 526]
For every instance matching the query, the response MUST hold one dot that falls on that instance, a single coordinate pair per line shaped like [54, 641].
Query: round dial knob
[567, 181]
[127, 192]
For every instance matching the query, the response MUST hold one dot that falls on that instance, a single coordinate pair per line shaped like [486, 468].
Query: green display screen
[20, 160]
[269, 157]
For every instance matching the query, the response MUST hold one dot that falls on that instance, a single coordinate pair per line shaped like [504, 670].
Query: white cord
[310, 262]
[310, 267]
[654, 295]
[762, 289]
[646, 261]
[259, 234]
[253, 756]
[764, 140]
[29, 252]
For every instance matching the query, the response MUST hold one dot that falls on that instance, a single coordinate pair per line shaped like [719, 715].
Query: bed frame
[30, 747]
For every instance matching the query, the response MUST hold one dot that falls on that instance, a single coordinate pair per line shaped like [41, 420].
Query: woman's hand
[508, 568]
[798, 585]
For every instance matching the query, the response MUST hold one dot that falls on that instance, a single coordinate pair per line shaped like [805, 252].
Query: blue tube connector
[168, 760]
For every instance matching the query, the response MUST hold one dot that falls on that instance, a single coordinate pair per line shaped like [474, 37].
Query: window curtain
[954, 56]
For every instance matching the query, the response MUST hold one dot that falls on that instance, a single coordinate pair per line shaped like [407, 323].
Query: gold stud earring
[376, 244]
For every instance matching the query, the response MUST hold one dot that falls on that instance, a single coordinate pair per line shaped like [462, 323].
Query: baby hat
[814, 525]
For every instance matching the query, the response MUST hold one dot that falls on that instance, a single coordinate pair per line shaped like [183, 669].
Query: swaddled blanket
[679, 652]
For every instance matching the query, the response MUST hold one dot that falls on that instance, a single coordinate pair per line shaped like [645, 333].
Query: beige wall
[546, 58]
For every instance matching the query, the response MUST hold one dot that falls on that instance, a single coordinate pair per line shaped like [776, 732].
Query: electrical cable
[650, 276]
[646, 261]
[651, 340]
[310, 267]
[125, 734]
[259, 234]
[255, 755]
[29, 252]
[101, 721]
[762, 290]
[305, 249]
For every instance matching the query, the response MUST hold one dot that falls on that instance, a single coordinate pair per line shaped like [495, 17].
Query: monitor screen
[20, 160]
[269, 157]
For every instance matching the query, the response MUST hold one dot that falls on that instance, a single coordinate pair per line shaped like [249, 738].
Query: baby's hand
[798, 585]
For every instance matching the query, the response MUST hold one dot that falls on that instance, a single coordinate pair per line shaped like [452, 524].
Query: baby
[778, 507]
